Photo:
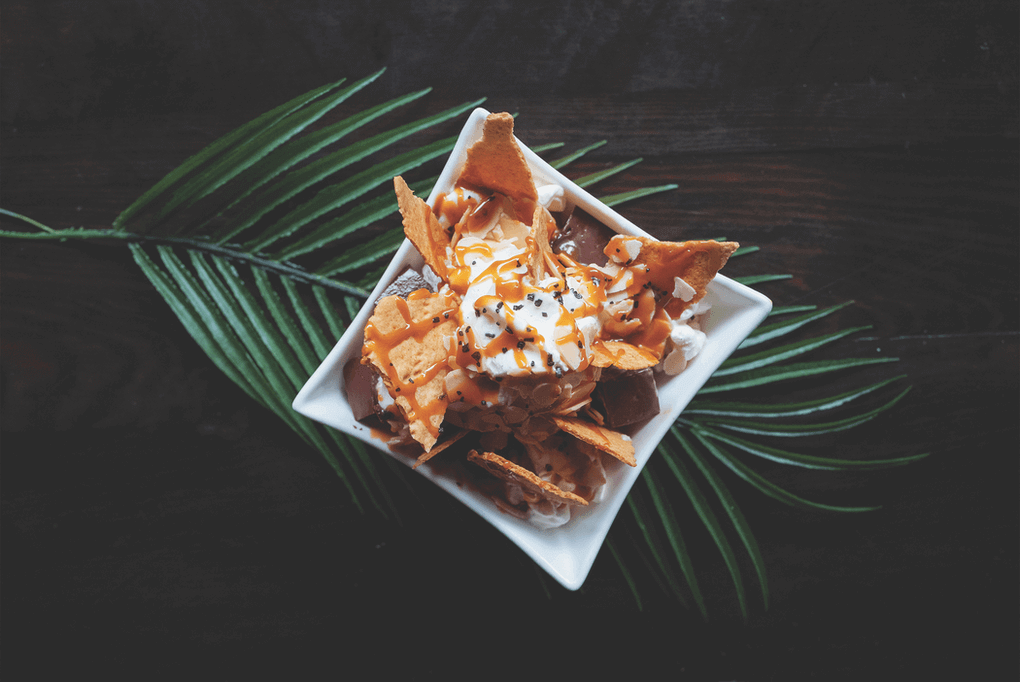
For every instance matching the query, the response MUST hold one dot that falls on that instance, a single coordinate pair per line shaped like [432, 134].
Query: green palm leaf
[792, 430]
[708, 517]
[363, 215]
[763, 484]
[806, 461]
[263, 183]
[765, 358]
[570, 158]
[252, 149]
[729, 505]
[778, 329]
[672, 527]
[777, 410]
[800, 370]
[204, 157]
[645, 524]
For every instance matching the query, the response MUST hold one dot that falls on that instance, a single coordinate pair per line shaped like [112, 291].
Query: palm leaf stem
[231, 252]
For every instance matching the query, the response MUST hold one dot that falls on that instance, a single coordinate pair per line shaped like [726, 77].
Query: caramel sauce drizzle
[646, 325]
[382, 344]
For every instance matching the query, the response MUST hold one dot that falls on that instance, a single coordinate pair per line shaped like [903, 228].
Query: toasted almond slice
[604, 439]
[496, 163]
[540, 253]
[503, 468]
[439, 447]
[422, 227]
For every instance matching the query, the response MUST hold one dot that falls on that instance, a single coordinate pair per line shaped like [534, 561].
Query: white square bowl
[569, 551]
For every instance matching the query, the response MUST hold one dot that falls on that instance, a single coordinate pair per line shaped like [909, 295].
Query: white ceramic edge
[566, 553]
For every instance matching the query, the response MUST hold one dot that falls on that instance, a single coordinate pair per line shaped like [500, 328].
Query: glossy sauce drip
[383, 343]
[452, 206]
[645, 325]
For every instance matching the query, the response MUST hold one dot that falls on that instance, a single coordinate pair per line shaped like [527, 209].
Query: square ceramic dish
[569, 551]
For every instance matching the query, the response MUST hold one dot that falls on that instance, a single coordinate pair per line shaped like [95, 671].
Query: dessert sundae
[529, 343]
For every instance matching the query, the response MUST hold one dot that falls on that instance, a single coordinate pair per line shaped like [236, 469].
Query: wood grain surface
[154, 521]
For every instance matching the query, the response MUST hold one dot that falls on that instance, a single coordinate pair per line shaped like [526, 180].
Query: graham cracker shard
[600, 437]
[496, 163]
[502, 468]
[402, 358]
[696, 262]
[422, 227]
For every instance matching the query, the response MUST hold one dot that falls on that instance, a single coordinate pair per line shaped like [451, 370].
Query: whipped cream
[511, 324]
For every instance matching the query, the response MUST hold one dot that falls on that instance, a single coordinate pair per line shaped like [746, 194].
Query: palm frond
[205, 157]
[729, 505]
[805, 461]
[778, 410]
[644, 520]
[570, 158]
[777, 329]
[232, 226]
[708, 518]
[793, 430]
[250, 347]
[763, 484]
[800, 370]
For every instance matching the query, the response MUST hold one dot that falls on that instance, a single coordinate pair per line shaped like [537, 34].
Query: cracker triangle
[422, 227]
[500, 467]
[696, 262]
[496, 162]
[600, 437]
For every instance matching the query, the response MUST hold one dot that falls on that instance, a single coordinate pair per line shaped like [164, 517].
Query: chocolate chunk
[360, 381]
[406, 282]
[627, 397]
[583, 238]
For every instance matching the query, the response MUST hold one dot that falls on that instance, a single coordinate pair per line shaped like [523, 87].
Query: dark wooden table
[155, 519]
